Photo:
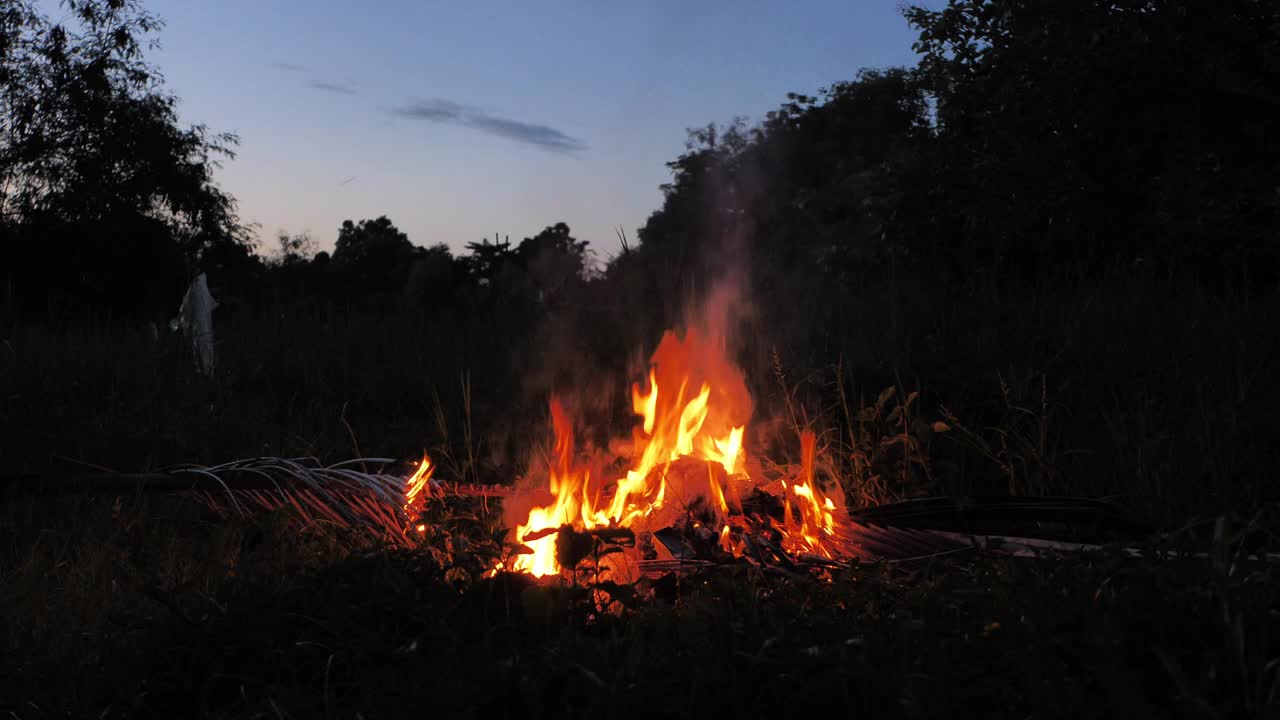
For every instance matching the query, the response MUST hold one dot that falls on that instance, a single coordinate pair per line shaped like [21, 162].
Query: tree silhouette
[1093, 133]
[553, 262]
[373, 255]
[433, 277]
[102, 193]
[798, 199]
[1035, 143]
[293, 250]
[486, 260]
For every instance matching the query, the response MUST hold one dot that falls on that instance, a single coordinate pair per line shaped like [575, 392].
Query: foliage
[889, 447]
[102, 189]
[463, 540]
[293, 250]
[1079, 136]
[1008, 158]
[373, 253]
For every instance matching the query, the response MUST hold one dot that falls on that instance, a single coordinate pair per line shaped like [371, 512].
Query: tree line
[1033, 144]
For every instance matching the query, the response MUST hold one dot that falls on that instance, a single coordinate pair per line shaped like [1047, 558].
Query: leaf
[572, 547]
[520, 549]
[941, 427]
[895, 439]
[884, 396]
[623, 594]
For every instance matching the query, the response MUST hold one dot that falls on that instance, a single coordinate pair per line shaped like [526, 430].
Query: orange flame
[414, 486]
[706, 425]
[646, 404]
[569, 489]
[816, 521]
[678, 429]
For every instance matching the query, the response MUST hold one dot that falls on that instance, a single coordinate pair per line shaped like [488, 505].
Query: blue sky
[459, 120]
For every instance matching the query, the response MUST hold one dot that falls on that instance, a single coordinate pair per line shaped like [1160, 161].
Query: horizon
[462, 124]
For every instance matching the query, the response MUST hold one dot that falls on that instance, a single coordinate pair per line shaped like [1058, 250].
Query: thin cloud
[547, 137]
[449, 112]
[332, 87]
[433, 110]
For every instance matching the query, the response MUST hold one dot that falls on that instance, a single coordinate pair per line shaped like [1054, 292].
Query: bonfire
[690, 494]
[688, 477]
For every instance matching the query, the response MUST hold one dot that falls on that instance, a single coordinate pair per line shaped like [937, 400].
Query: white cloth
[195, 320]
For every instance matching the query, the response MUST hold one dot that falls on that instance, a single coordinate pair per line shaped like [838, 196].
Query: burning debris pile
[682, 491]
[690, 493]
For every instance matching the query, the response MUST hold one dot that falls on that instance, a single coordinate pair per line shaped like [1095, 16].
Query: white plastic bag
[195, 320]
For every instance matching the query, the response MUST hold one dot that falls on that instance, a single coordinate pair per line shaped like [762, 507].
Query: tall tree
[374, 255]
[553, 262]
[801, 193]
[101, 188]
[1093, 133]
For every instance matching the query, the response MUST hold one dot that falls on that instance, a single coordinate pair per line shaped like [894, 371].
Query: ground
[151, 606]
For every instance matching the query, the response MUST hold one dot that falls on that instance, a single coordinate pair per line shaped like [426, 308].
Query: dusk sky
[461, 120]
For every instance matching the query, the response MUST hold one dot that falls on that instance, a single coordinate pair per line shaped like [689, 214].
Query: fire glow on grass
[694, 408]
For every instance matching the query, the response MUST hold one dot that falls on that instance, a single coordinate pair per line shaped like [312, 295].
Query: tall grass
[1105, 390]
